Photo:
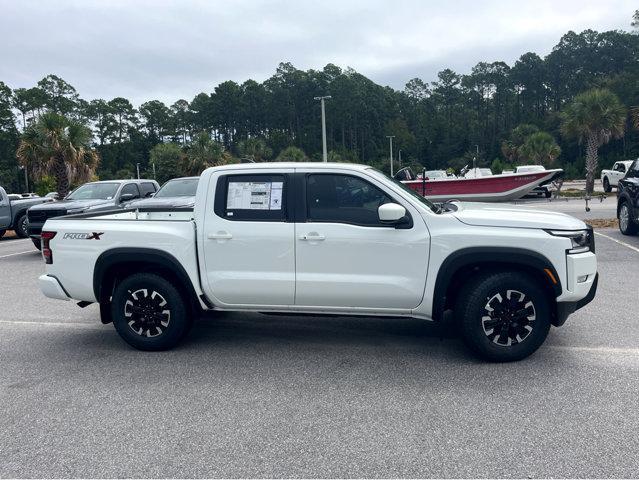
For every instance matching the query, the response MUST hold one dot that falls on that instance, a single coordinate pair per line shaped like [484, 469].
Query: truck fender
[135, 260]
[490, 258]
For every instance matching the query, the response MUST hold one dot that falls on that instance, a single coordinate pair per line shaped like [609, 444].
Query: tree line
[510, 114]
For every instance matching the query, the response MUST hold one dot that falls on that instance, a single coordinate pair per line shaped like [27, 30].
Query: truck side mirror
[126, 197]
[391, 213]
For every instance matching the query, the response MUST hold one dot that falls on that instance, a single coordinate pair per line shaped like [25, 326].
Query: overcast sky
[168, 50]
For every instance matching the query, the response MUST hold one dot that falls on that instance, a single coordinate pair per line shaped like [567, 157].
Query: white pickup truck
[610, 178]
[321, 238]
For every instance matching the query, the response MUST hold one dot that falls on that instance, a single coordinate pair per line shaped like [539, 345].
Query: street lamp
[321, 99]
[26, 179]
[390, 137]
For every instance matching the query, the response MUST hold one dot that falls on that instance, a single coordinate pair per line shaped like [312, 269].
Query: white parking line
[51, 324]
[603, 350]
[631, 247]
[17, 253]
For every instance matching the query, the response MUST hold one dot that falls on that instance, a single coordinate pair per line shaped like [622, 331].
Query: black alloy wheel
[149, 312]
[509, 317]
[504, 316]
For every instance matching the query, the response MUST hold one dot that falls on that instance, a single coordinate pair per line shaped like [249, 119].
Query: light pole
[390, 137]
[324, 152]
[26, 179]
[137, 167]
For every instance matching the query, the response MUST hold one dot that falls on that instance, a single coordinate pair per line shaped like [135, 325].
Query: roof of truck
[321, 165]
[134, 180]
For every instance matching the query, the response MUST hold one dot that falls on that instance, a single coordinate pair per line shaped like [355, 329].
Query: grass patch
[603, 223]
[574, 193]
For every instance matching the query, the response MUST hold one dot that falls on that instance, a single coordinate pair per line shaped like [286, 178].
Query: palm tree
[254, 149]
[292, 154]
[540, 148]
[202, 153]
[57, 146]
[595, 117]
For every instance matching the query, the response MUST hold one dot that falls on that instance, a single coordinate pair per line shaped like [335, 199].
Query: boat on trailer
[494, 188]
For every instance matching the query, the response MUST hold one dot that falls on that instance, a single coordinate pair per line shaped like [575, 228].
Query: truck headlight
[582, 240]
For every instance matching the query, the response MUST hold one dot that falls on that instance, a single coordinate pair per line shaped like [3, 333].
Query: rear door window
[259, 197]
[146, 189]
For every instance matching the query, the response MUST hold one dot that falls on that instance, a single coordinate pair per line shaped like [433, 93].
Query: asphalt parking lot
[249, 395]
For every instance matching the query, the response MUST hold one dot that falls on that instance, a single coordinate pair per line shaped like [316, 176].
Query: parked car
[93, 196]
[610, 178]
[179, 192]
[13, 212]
[541, 190]
[628, 200]
[323, 238]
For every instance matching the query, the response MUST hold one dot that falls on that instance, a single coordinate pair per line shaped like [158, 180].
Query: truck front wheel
[504, 316]
[606, 185]
[148, 312]
[21, 226]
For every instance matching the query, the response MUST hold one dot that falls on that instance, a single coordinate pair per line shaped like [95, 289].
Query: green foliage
[44, 185]
[595, 112]
[254, 149]
[539, 148]
[202, 153]
[292, 154]
[59, 146]
[167, 158]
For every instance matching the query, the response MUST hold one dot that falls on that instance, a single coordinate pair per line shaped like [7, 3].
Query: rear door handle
[313, 237]
[220, 236]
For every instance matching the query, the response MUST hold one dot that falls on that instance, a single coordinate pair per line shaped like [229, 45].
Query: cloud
[174, 49]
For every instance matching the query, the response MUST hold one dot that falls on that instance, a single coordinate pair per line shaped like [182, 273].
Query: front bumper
[35, 229]
[565, 309]
[51, 287]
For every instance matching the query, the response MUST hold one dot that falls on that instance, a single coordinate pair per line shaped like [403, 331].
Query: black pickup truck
[90, 197]
[13, 213]
[628, 200]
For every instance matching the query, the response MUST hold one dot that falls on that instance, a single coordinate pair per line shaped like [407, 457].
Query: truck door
[5, 210]
[248, 239]
[345, 257]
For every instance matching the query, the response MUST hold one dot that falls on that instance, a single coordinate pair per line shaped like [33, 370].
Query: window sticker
[254, 196]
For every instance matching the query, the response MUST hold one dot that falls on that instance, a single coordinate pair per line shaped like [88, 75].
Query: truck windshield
[180, 187]
[408, 190]
[94, 191]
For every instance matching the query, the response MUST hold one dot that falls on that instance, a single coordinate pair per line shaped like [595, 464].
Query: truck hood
[491, 215]
[178, 202]
[72, 204]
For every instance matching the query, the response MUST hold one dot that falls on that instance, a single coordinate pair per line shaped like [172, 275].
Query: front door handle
[219, 236]
[313, 237]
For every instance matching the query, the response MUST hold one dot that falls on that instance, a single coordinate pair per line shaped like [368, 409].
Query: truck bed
[81, 239]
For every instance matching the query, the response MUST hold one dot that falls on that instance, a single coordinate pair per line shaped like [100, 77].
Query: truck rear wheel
[504, 316]
[2, 232]
[149, 313]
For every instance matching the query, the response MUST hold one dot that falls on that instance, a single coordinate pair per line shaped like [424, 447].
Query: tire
[21, 226]
[626, 225]
[606, 185]
[164, 325]
[37, 243]
[2, 232]
[519, 336]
